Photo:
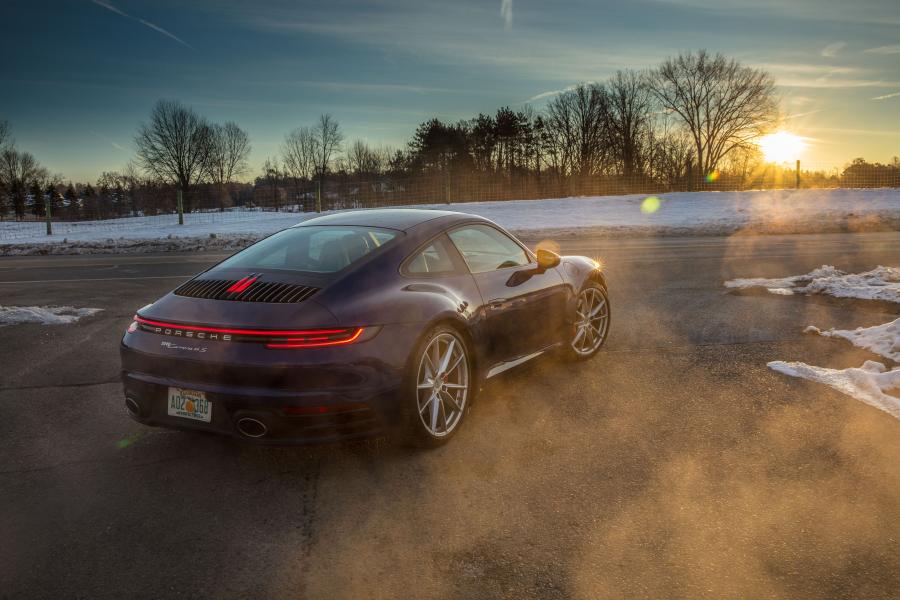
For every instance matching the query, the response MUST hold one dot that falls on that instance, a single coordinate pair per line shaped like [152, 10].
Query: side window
[434, 259]
[486, 249]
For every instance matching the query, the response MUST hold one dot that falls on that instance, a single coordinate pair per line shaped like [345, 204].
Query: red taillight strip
[265, 332]
[312, 343]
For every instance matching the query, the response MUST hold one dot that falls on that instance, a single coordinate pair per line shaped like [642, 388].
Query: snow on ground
[881, 283]
[705, 213]
[871, 382]
[883, 340]
[868, 383]
[45, 315]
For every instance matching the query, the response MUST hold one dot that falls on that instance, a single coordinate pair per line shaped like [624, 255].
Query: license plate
[189, 404]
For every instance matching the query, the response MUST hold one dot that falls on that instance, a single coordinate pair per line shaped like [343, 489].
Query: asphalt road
[673, 465]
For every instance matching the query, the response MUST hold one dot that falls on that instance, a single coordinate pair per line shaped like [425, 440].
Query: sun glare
[781, 147]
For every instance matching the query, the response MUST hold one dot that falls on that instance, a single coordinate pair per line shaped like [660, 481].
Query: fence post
[797, 184]
[180, 208]
[318, 195]
[47, 210]
[449, 201]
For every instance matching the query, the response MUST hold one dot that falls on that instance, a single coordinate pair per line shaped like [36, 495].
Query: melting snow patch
[867, 383]
[881, 283]
[883, 340]
[46, 315]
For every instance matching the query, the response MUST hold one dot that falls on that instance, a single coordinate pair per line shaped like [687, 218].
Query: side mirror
[547, 259]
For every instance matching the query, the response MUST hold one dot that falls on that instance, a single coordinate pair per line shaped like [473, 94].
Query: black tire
[569, 351]
[414, 430]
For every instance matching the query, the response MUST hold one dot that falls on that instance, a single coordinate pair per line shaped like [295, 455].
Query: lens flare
[650, 205]
[712, 176]
[781, 147]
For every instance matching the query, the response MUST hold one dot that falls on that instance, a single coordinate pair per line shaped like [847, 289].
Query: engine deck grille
[258, 291]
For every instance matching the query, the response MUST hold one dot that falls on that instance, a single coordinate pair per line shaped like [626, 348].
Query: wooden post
[797, 184]
[318, 195]
[47, 210]
[180, 209]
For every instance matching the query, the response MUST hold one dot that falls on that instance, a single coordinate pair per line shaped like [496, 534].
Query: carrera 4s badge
[172, 346]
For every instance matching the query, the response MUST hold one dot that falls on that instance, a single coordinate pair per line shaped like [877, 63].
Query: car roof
[391, 218]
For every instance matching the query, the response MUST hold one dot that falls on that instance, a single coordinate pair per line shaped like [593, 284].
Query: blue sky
[77, 76]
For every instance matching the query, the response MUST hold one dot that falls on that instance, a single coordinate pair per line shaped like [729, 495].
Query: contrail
[152, 26]
[506, 11]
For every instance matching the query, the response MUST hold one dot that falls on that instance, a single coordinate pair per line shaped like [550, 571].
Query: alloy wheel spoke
[579, 335]
[445, 362]
[452, 400]
[599, 307]
[443, 413]
[426, 404]
[454, 365]
[435, 402]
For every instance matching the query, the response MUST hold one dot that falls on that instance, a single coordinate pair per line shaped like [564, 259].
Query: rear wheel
[441, 382]
[591, 321]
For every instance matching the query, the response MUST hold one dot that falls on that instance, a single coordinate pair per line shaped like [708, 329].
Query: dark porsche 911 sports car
[357, 324]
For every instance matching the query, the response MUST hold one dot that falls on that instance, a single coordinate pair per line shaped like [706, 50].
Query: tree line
[692, 120]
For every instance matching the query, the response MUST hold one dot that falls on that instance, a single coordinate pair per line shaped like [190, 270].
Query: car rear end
[256, 355]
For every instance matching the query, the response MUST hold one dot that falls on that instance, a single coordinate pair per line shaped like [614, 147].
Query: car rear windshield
[312, 249]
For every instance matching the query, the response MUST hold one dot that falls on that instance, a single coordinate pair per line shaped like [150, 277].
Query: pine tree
[37, 199]
[53, 199]
[91, 208]
[71, 200]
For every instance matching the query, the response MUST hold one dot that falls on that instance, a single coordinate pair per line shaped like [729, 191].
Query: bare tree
[298, 153]
[175, 145]
[363, 160]
[230, 147]
[630, 118]
[723, 104]
[271, 174]
[5, 135]
[19, 170]
[328, 138]
[298, 157]
[576, 131]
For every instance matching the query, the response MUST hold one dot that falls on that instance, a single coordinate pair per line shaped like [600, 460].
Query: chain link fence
[156, 206]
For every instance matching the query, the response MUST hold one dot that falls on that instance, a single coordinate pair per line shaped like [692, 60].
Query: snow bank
[881, 283]
[45, 315]
[681, 213]
[868, 384]
[883, 340]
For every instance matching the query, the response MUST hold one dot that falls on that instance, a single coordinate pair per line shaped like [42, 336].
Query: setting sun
[781, 147]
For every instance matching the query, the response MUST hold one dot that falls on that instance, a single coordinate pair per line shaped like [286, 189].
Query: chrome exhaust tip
[132, 407]
[251, 427]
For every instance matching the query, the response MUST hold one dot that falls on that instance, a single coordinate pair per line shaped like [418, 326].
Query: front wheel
[441, 388]
[591, 322]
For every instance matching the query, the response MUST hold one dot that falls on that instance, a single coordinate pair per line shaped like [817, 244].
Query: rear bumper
[327, 417]
[340, 393]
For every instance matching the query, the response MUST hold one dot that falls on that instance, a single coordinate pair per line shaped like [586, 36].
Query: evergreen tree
[37, 199]
[70, 204]
[91, 208]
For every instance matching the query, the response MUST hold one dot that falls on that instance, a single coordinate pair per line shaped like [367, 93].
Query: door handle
[498, 304]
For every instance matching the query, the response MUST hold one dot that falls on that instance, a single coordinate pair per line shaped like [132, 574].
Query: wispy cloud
[506, 11]
[894, 49]
[551, 93]
[886, 96]
[115, 145]
[152, 26]
[832, 50]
